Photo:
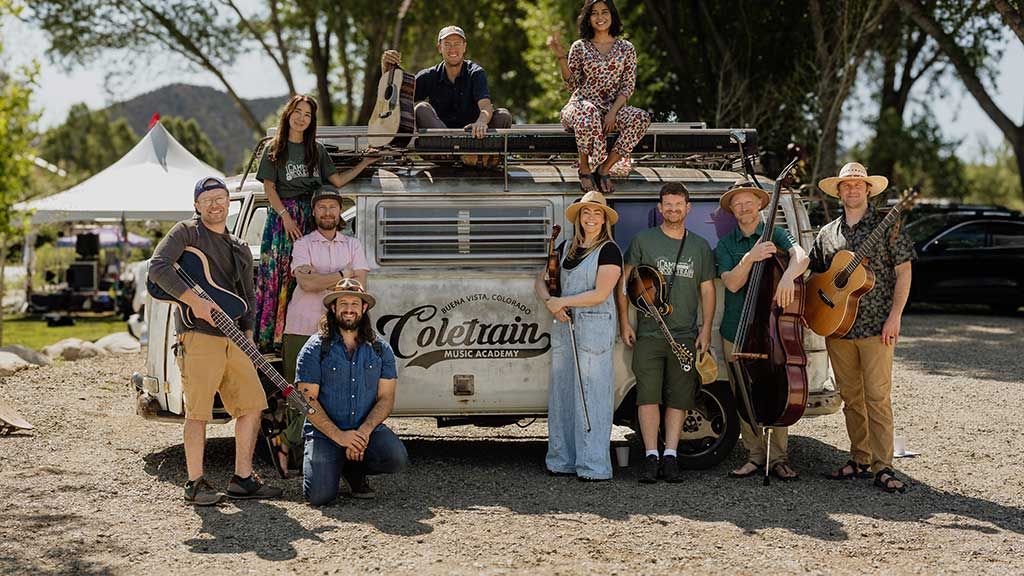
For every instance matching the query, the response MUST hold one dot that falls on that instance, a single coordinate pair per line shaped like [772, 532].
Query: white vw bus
[454, 251]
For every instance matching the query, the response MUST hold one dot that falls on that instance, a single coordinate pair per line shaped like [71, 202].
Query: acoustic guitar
[194, 269]
[833, 297]
[393, 111]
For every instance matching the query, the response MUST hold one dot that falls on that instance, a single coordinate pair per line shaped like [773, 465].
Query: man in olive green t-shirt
[686, 262]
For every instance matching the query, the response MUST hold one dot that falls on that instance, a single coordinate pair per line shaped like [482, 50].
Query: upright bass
[769, 353]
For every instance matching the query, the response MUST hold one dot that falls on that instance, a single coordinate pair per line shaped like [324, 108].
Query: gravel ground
[97, 490]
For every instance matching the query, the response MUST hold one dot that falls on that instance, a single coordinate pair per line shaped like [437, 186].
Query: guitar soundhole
[841, 279]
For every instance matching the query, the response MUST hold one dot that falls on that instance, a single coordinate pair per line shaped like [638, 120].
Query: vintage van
[454, 252]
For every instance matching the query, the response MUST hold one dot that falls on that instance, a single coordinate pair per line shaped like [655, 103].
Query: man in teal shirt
[736, 254]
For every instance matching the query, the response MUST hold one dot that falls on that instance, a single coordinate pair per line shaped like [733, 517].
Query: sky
[957, 112]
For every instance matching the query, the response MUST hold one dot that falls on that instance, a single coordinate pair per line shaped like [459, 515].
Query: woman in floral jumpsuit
[600, 71]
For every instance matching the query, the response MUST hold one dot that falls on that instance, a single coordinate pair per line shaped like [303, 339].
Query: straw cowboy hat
[854, 171]
[742, 186]
[707, 367]
[349, 287]
[592, 198]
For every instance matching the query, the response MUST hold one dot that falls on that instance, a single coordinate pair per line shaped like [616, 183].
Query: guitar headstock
[909, 197]
[555, 231]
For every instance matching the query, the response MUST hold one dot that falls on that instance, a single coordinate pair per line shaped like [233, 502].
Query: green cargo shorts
[659, 378]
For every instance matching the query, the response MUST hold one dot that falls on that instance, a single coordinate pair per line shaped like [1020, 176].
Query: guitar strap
[672, 280]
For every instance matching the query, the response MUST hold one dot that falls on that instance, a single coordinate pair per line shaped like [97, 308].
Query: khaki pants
[213, 364]
[756, 444]
[863, 368]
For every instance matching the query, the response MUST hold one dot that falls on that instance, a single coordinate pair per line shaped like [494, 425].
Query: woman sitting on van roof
[293, 166]
[590, 267]
[600, 71]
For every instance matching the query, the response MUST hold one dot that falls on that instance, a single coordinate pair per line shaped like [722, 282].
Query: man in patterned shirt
[862, 358]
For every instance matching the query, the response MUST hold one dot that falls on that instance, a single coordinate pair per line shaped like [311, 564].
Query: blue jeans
[323, 462]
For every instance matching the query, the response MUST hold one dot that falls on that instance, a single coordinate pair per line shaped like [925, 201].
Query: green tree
[188, 133]
[972, 66]
[16, 133]
[920, 155]
[87, 142]
[994, 178]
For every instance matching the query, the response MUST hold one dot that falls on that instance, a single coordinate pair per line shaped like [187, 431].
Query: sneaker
[670, 470]
[250, 488]
[649, 470]
[359, 486]
[200, 493]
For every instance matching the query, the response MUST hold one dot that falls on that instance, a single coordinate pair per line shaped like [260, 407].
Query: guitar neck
[678, 350]
[228, 327]
[878, 232]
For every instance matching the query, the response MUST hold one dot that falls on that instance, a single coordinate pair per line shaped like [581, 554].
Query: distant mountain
[214, 110]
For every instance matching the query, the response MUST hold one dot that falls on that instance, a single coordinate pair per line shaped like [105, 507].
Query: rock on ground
[73, 349]
[119, 343]
[10, 363]
[28, 355]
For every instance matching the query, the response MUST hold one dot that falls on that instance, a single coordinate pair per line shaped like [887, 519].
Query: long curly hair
[583, 22]
[330, 328]
[279, 146]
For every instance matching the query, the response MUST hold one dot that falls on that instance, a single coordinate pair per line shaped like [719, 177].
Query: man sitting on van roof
[454, 93]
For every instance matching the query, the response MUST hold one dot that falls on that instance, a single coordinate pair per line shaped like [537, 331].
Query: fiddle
[553, 273]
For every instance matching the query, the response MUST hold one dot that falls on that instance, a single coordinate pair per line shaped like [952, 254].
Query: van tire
[719, 410]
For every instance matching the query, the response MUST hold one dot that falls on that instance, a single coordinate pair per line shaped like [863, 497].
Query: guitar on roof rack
[393, 112]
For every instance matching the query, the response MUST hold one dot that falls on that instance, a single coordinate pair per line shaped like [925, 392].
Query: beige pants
[756, 444]
[863, 368]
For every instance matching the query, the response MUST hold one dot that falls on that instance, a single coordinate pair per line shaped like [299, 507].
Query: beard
[328, 223]
[352, 324]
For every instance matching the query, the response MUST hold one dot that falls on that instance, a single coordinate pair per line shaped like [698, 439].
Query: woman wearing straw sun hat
[590, 266]
[862, 358]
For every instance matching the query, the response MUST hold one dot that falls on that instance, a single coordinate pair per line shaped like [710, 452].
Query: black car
[969, 257]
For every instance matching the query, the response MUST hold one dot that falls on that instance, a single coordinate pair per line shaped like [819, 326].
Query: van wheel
[709, 432]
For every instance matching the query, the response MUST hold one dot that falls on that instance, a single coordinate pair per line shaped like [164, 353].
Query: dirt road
[97, 490]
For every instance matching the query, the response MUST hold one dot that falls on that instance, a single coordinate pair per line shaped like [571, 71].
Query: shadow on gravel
[234, 527]
[987, 347]
[502, 477]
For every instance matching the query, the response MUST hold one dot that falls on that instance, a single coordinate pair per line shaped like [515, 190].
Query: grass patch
[34, 333]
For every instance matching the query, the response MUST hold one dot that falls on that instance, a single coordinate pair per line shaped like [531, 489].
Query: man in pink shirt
[319, 260]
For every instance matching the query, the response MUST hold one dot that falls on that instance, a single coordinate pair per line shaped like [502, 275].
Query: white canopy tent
[153, 181]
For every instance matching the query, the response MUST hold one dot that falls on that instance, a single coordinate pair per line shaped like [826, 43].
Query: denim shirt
[348, 383]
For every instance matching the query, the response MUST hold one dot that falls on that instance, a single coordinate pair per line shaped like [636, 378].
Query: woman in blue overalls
[590, 268]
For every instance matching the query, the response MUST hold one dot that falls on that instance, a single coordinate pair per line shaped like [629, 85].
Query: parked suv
[969, 256]
[454, 252]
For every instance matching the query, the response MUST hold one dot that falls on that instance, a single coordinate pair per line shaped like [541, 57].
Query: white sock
[669, 452]
[650, 453]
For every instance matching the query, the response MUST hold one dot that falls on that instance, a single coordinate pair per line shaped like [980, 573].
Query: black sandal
[587, 178]
[756, 470]
[604, 183]
[886, 484]
[859, 471]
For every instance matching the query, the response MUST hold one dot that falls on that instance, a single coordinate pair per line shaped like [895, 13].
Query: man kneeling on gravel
[208, 361]
[351, 372]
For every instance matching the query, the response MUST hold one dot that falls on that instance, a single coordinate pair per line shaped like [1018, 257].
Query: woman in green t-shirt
[293, 166]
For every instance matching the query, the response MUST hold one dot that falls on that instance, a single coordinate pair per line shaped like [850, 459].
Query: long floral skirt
[274, 280]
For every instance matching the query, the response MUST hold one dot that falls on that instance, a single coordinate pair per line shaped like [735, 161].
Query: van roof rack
[666, 144]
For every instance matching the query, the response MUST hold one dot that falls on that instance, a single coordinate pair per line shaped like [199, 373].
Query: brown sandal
[856, 471]
[783, 471]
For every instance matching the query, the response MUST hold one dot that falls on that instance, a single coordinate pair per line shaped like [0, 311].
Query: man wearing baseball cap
[210, 363]
[735, 255]
[319, 260]
[351, 371]
[454, 93]
[862, 358]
